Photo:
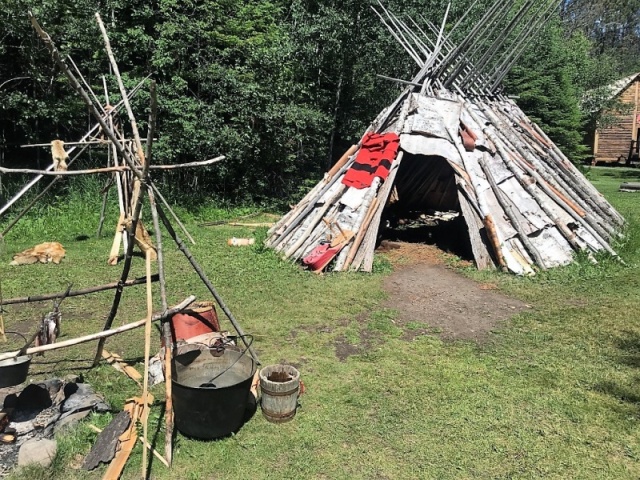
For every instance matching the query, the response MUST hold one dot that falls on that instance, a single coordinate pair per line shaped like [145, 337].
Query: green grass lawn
[555, 394]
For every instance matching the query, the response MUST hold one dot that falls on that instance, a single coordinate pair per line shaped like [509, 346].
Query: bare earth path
[424, 291]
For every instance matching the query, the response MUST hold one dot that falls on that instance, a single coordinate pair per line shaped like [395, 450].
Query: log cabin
[617, 142]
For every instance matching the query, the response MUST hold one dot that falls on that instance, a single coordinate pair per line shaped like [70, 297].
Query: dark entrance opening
[424, 208]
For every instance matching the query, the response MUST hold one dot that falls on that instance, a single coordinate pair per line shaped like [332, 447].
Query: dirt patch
[428, 293]
[297, 365]
[345, 349]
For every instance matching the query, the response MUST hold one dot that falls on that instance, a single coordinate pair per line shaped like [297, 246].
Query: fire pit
[36, 412]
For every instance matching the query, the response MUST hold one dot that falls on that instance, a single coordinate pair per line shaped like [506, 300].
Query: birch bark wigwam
[525, 205]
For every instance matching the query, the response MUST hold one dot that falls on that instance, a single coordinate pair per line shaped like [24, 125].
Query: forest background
[281, 88]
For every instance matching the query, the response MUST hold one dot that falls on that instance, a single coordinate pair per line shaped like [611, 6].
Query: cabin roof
[619, 86]
[593, 100]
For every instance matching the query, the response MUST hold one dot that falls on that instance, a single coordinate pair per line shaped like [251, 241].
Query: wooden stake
[198, 269]
[141, 184]
[103, 210]
[123, 92]
[117, 240]
[104, 334]
[3, 336]
[147, 354]
[166, 335]
[173, 214]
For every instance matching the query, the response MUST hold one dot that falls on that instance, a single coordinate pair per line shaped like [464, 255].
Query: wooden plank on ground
[119, 364]
[137, 409]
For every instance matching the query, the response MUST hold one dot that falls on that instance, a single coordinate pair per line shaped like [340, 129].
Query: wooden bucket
[280, 387]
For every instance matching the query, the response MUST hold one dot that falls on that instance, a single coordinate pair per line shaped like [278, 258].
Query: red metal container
[196, 320]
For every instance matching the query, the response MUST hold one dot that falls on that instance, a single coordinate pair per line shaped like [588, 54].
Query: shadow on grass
[628, 345]
[153, 441]
[623, 172]
[41, 367]
[620, 392]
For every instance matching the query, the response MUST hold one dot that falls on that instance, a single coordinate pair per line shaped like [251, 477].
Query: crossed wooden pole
[136, 163]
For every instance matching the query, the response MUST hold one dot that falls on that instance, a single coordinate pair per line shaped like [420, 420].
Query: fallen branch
[120, 168]
[77, 293]
[250, 225]
[104, 334]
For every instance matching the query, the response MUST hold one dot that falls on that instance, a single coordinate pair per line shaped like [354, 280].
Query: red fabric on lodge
[374, 159]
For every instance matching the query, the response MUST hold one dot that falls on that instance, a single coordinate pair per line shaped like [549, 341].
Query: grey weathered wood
[280, 386]
[554, 172]
[475, 227]
[513, 217]
[528, 185]
[587, 221]
[104, 448]
[369, 243]
[398, 80]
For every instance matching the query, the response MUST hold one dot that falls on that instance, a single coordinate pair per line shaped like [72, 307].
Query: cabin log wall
[612, 143]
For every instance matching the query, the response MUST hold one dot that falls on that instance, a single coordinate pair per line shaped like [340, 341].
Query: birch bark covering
[524, 203]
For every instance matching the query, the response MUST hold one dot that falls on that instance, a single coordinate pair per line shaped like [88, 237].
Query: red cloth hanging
[374, 159]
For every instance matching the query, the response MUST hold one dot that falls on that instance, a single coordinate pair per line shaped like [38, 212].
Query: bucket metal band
[280, 394]
[279, 416]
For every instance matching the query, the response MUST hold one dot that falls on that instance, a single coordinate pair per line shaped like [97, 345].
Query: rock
[40, 452]
[53, 386]
[70, 420]
[80, 396]
[73, 378]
